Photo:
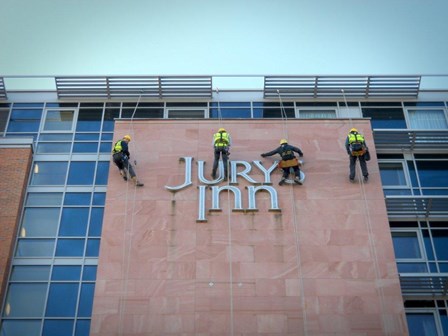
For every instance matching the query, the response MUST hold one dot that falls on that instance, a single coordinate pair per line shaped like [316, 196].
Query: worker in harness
[289, 160]
[221, 144]
[121, 155]
[356, 147]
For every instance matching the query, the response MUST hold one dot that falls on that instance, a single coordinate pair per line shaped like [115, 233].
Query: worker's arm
[297, 150]
[275, 151]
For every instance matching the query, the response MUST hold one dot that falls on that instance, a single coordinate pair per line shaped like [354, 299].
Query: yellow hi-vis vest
[221, 139]
[357, 145]
[117, 147]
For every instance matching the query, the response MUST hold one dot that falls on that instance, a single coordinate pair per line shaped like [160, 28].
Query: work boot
[123, 174]
[366, 178]
[282, 181]
[352, 179]
[214, 175]
[137, 182]
[297, 180]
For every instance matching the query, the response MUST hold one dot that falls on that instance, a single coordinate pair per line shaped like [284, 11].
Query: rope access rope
[369, 229]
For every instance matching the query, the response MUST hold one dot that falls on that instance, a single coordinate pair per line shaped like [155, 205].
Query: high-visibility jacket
[221, 139]
[355, 138]
[118, 147]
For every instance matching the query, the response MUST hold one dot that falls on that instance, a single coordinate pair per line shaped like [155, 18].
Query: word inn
[216, 190]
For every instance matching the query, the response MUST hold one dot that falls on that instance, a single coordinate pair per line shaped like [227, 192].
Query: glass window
[433, 173]
[93, 248]
[53, 147]
[55, 137]
[40, 222]
[96, 222]
[30, 273]
[81, 173]
[89, 120]
[70, 248]
[66, 273]
[77, 198]
[421, 324]
[58, 327]
[440, 238]
[142, 113]
[49, 173]
[317, 114]
[44, 199]
[412, 267]
[87, 136]
[86, 300]
[274, 110]
[59, 120]
[35, 247]
[20, 327]
[89, 273]
[102, 173]
[74, 222]
[385, 117]
[406, 245]
[82, 328]
[19, 297]
[392, 174]
[427, 119]
[25, 120]
[228, 111]
[186, 113]
[105, 147]
[110, 115]
[62, 299]
[85, 147]
[3, 119]
[99, 198]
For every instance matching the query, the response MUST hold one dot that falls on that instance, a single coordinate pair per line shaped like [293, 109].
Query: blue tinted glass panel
[40, 222]
[440, 238]
[385, 117]
[444, 320]
[427, 119]
[70, 248]
[81, 173]
[93, 248]
[102, 173]
[443, 267]
[412, 173]
[397, 192]
[55, 137]
[107, 136]
[87, 136]
[23, 126]
[77, 198]
[421, 324]
[440, 192]
[96, 222]
[89, 273]
[41, 105]
[433, 173]
[58, 327]
[53, 147]
[19, 297]
[62, 300]
[49, 173]
[85, 147]
[392, 174]
[412, 267]
[74, 222]
[82, 328]
[20, 327]
[258, 113]
[428, 245]
[99, 198]
[230, 113]
[89, 120]
[58, 120]
[109, 116]
[30, 273]
[29, 114]
[86, 300]
[406, 245]
[106, 147]
[66, 273]
[35, 248]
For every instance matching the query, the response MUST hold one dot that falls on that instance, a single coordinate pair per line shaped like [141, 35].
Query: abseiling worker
[356, 147]
[121, 155]
[221, 145]
[289, 160]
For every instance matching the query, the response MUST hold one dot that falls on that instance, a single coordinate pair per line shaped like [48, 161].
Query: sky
[225, 37]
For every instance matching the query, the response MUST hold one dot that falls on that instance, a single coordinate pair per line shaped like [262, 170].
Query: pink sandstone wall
[323, 266]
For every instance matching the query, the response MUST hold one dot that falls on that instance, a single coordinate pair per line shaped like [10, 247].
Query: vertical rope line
[127, 249]
[284, 116]
[370, 231]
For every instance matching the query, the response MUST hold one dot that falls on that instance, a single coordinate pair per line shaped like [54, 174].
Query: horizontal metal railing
[3, 95]
[417, 206]
[424, 285]
[393, 140]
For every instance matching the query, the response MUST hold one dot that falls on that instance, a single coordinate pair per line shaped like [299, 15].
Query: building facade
[86, 253]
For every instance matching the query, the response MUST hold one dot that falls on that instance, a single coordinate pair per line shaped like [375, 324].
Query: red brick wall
[14, 169]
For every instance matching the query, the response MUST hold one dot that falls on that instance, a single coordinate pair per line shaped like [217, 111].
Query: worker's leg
[363, 164]
[215, 162]
[225, 161]
[297, 173]
[352, 167]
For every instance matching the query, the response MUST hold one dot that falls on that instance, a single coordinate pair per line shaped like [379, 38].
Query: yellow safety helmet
[222, 130]
[127, 137]
[354, 130]
[283, 141]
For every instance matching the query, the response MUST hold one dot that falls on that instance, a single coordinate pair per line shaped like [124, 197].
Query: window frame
[49, 109]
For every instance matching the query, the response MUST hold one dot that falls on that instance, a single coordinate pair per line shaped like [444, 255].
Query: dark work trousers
[362, 163]
[224, 151]
[122, 162]
[286, 171]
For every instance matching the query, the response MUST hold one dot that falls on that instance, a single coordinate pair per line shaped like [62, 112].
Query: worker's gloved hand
[125, 157]
[263, 155]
